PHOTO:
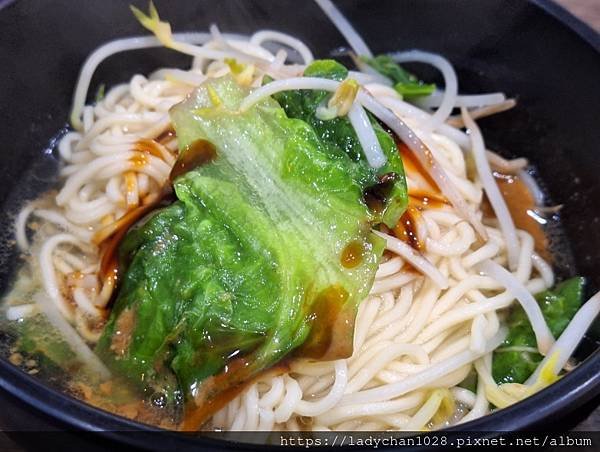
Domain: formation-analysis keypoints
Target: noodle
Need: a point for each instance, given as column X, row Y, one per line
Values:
column 449, row 99
column 492, row 191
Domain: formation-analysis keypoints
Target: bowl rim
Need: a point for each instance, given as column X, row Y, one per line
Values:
column 585, row 31
column 567, row 394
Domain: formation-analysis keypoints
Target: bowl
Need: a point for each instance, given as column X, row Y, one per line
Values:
column 534, row 51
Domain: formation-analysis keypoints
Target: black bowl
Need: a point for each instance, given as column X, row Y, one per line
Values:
column 534, row 51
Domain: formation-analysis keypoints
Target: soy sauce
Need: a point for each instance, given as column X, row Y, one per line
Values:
column 198, row 153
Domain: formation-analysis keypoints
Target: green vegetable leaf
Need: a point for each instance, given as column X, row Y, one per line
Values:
column 470, row 381
column 517, row 358
column 100, row 93
column 387, row 184
column 39, row 341
column 37, row 337
column 267, row 250
column 404, row 82
column 329, row 69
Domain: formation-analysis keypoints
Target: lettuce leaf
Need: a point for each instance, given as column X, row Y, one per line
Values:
column 337, row 135
column 267, row 250
column 405, row 83
column 513, row 362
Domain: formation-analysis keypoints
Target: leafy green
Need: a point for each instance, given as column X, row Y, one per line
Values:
column 405, row 83
column 341, row 142
column 248, row 264
column 40, row 342
column 36, row 337
column 470, row 381
column 100, row 93
column 516, row 359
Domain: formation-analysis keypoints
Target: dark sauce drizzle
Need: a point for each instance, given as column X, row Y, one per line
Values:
column 352, row 255
column 196, row 154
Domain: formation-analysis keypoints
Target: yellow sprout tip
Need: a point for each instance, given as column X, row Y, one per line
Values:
column 547, row 374
column 152, row 22
column 213, row 96
column 344, row 96
column 142, row 17
column 153, row 11
column 234, row 66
